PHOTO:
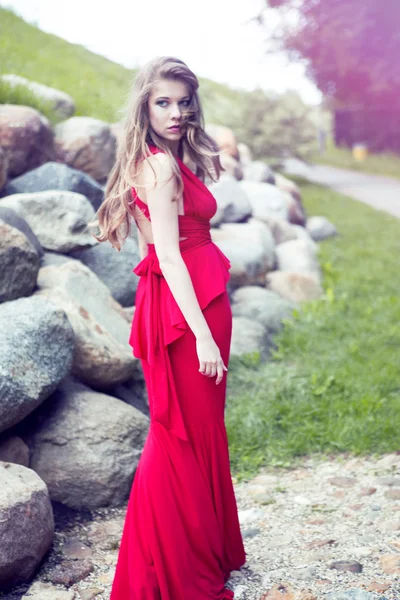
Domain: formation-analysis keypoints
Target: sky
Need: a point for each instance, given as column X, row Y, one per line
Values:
column 216, row 38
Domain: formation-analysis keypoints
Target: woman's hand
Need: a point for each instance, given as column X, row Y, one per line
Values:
column 210, row 359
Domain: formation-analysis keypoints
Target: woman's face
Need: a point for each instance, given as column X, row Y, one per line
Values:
column 166, row 102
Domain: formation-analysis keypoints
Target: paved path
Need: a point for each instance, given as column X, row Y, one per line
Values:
column 383, row 193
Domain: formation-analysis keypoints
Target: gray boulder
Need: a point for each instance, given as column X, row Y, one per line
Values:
column 256, row 170
column 320, row 228
column 249, row 262
column 302, row 234
column 282, row 230
column 114, row 268
column 19, row 264
column 58, row 219
column 251, row 249
column 13, row 449
column 35, row 355
column 50, row 259
column 11, row 217
column 298, row 256
column 249, row 336
column 233, row 205
column 261, row 305
column 102, row 357
column 266, row 200
column 56, row 176
column 26, row 524
column 86, row 446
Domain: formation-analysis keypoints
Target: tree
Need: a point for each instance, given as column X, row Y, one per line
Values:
column 276, row 125
column 351, row 47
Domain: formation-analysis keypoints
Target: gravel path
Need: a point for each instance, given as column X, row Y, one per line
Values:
column 327, row 529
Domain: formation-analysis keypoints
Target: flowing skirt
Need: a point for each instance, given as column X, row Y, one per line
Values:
column 181, row 536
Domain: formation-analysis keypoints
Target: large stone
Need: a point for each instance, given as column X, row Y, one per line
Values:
column 56, row 176
column 103, row 357
column 296, row 287
column 58, row 219
column 320, row 228
column 288, row 185
column 282, row 230
column 261, row 305
column 9, row 216
column 54, row 258
column 256, row 170
column 27, row 137
column 248, row 337
column 14, row 450
column 114, row 268
column 134, row 393
column 35, row 355
column 302, row 234
column 266, row 200
column 231, row 166
column 233, row 205
column 19, row 264
column 86, row 446
column 61, row 103
column 249, row 260
column 86, row 144
column 297, row 256
column 253, row 231
column 296, row 212
column 26, row 524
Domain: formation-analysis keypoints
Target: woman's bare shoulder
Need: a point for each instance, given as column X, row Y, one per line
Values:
column 156, row 169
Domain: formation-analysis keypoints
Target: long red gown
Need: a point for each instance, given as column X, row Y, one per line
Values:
column 181, row 535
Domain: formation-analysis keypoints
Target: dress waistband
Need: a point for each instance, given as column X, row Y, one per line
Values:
column 195, row 229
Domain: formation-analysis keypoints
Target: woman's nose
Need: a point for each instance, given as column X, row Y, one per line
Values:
column 175, row 111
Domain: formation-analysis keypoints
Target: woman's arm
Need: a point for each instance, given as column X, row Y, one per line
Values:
column 164, row 218
column 142, row 245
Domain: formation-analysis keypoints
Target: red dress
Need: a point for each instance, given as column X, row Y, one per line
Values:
column 181, row 536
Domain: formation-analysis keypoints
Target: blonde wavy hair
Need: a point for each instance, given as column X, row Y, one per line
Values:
column 113, row 217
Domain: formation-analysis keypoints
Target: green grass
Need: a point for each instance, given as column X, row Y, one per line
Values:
column 95, row 83
column 387, row 164
column 98, row 86
column 334, row 384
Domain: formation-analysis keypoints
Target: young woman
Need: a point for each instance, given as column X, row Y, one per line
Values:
column 181, row 535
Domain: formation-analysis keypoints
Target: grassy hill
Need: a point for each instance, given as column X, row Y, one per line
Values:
column 98, row 85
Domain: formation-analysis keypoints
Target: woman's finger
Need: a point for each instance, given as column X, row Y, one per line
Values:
column 202, row 367
column 220, row 372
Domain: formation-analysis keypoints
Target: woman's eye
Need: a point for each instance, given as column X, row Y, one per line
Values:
column 161, row 102
column 186, row 102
